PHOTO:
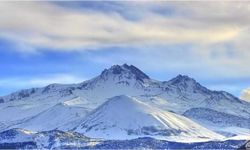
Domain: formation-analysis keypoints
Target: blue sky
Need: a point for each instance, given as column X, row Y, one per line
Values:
column 69, row 42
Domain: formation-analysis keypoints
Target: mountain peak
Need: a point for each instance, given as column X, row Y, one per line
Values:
column 184, row 82
column 122, row 101
column 181, row 79
column 125, row 69
column 124, row 117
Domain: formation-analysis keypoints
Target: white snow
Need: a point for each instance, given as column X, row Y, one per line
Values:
column 54, row 117
column 123, row 114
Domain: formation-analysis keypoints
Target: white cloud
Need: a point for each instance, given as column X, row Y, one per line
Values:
column 245, row 94
column 176, row 60
column 218, row 33
column 42, row 24
column 22, row 83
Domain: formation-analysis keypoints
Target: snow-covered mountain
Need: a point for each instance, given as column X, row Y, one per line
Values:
column 64, row 106
column 123, row 117
column 56, row 117
column 223, row 123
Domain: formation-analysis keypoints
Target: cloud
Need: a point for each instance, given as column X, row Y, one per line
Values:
column 44, row 24
column 23, row 83
column 245, row 94
column 176, row 59
column 205, row 38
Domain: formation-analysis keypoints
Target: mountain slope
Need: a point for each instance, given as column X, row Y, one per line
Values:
column 123, row 117
column 54, row 117
column 226, row 124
